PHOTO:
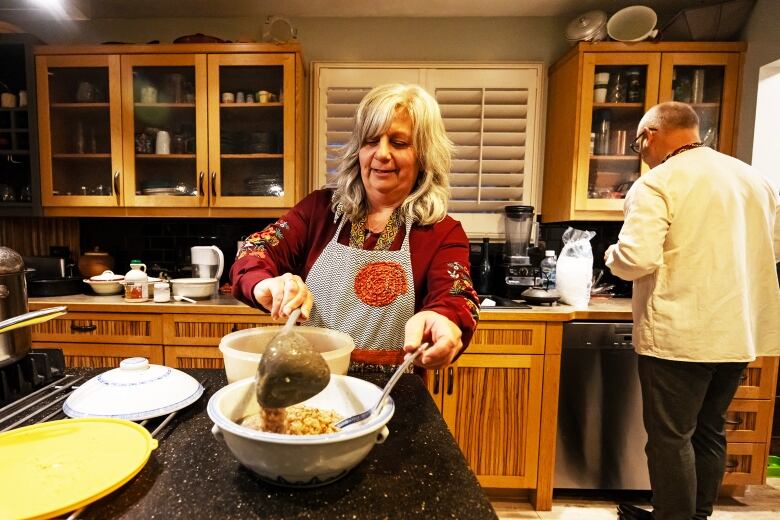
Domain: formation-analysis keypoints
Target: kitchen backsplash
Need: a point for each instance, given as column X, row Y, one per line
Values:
column 164, row 244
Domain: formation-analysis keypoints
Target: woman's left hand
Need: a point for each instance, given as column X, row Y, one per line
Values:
column 443, row 335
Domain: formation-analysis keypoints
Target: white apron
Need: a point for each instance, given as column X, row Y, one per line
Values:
column 367, row 294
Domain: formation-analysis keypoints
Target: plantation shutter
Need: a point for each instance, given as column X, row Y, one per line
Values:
column 490, row 114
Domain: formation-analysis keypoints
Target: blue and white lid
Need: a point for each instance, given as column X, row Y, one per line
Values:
column 135, row 391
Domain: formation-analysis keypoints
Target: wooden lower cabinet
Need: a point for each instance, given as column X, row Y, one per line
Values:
column 492, row 399
column 90, row 355
column 749, row 426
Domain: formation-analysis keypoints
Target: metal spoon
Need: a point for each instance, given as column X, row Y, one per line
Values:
column 290, row 370
column 389, row 386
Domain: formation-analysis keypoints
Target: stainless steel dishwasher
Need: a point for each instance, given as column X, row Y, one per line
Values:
column 601, row 438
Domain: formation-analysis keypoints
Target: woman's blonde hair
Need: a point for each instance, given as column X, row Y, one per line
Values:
column 427, row 203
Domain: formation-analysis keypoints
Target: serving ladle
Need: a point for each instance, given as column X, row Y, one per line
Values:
column 290, row 370
column 389, row 386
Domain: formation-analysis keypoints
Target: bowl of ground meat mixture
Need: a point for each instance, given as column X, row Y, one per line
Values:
column 302, row 448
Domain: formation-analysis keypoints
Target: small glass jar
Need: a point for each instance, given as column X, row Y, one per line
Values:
column 162, row 292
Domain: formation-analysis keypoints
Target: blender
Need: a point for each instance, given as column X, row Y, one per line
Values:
column 519, row 274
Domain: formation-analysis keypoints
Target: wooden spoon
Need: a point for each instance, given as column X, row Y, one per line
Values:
column 290, row 370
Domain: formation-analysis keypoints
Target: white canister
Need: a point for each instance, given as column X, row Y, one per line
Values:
column 22, row 98
column 162, row 292
column 163, row 144
column 136, row 283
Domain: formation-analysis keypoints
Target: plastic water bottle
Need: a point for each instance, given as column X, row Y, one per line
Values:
column 548, row 269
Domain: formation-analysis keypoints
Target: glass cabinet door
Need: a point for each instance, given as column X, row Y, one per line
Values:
column 252, row 125
column 164, row 140
column 708, row 82
column 617, row 89
column 79, row 121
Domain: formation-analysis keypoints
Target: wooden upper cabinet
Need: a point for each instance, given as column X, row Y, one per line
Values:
column 597, row 95
column 80, row 125
column 171, row 130
column 164, row 134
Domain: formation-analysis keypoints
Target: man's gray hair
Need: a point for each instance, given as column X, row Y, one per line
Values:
column 671, row 115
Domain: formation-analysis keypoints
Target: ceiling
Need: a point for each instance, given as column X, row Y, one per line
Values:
column 20, row 10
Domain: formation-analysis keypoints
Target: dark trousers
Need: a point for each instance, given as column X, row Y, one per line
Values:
column 684, row 410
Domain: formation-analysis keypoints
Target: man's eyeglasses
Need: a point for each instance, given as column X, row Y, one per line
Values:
column 635, row 144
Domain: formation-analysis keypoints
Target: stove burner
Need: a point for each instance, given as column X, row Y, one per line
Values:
column 36, row 370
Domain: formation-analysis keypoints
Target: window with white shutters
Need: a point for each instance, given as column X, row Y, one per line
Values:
column 491, row 113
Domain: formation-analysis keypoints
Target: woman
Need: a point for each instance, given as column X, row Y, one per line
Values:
column 381, row 259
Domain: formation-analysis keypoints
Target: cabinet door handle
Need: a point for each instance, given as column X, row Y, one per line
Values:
column 450, row 380
column 200, row 184
column 743, row 377
column 234, row 328
column 734, row 422
column 82, row 328
column 436, row 381
column 213, row 184
column 116, row 186
column 731, row 465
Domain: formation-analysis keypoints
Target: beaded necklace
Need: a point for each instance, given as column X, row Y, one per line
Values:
column 683, row 148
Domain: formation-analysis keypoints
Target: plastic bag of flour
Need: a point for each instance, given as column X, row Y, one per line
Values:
column 574, row 270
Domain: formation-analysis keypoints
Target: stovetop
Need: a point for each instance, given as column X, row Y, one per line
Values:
column 39, row 368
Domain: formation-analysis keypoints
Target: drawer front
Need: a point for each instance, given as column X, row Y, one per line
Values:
column 501, row 337
column 759, row 379
column 745, row 463
column 748, row 420
column 105, row 355
column 95, row 327
column 193, row 357
column 206, row 329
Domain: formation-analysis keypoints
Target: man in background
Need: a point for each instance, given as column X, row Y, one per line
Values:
column 700, row 241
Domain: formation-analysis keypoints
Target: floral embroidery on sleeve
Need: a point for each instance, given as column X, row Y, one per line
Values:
column 257, row 243
column 463, row 286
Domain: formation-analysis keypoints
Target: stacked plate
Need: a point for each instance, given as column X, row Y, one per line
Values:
column 264, row 186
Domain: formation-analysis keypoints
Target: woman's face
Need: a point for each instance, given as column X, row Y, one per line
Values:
column 388, row 163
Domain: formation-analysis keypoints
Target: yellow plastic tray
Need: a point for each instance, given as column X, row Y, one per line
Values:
column 51, row 468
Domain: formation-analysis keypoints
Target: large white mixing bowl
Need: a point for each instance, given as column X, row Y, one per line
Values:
column 302, row 460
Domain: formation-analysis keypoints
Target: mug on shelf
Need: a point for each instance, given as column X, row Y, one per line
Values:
column 7, row 100
column 163, row 143
column 22, row 98
column 228, row 97
column 148, row 94
column 85, row 92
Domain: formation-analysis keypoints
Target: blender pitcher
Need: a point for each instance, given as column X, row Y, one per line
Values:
column 519, row 222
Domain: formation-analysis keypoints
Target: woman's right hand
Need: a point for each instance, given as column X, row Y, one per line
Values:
column 283, row 294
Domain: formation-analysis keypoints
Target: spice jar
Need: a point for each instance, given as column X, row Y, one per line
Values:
column 162, row 292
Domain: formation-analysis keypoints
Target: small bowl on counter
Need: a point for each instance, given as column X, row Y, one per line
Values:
column 195, row 288
column 106, row 283
column 243, row 349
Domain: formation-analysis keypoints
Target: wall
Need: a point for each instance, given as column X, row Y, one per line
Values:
column 344, row 39
column 763, row 40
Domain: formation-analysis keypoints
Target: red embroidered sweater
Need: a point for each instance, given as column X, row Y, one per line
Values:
column 439, row 253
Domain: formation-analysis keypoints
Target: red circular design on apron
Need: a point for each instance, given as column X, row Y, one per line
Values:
column 380, row 283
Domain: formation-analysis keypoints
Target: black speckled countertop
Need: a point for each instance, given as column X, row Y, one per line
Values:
column 419, row 472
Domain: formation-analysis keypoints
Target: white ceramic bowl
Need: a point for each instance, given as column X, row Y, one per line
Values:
column 302, row 460
column 105, row 287
column 242, row 350
column 196, row 288
column 632, row 24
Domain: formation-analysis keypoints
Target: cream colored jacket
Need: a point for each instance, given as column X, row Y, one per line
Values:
column 700, row 240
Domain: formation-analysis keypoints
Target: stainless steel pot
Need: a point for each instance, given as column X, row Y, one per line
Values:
column 15, row 337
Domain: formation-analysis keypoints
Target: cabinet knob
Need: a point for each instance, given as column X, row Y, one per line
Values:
column 213, row 184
